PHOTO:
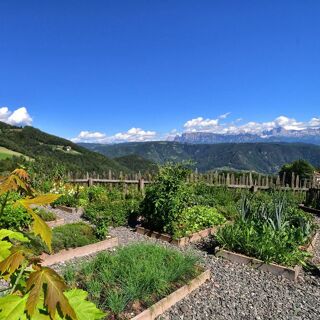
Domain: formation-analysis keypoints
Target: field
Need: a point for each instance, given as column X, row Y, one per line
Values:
column 7, row 153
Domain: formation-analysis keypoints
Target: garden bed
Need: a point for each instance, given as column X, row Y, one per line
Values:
column 138, row 281
column 164, row 304
column 70, row 209
column 290, row 273
column 180, row 242
column 73, row 240
column 69, row 254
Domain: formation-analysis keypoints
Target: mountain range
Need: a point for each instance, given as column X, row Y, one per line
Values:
column 260, row 157
column 275, row 135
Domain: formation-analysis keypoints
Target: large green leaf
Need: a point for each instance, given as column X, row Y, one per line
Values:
column 48, row 280
column 85, row 310
column 12, row 307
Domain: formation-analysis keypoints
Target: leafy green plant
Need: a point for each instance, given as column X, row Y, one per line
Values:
column 135, row 275
column 197, row 218
column 272, row 231
column 167, row 198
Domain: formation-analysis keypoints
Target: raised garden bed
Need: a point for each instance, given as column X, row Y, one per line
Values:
column 276, row 269
column 73, row 240
column 70, row 209
column 178, row 242
column 69, row 254
column 138, row 281
column 164, row 304
column 55, row 223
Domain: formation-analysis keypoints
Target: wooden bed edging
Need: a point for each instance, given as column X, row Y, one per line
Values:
column 70, row 209
column 55, row 223
column 167, row 302
column 276, row 269
column 178, row 242
column 309, row 209
column 78, row 252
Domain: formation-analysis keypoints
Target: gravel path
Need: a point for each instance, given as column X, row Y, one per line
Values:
column 68, row 217
column 240, row 292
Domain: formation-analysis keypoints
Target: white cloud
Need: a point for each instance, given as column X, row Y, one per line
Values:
column 132, row 135
column 213, row 125
column 225, row 115
column 90, row 136
column 17, row 117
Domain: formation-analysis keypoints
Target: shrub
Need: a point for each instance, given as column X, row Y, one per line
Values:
column 138, row 274
column 167, row 198
column 15, row 218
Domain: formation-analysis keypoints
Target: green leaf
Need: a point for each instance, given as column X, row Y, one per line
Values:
column 4, row 249
column 12, row 235
column 12, row 307
column 85, row 310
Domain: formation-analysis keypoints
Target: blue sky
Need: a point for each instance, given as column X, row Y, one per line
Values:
column 105, row 67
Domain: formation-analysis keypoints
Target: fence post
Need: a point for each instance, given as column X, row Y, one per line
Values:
column 141, row 185
column 90, row 182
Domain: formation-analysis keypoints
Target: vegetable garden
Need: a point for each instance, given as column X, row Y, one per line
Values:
column 122, row 283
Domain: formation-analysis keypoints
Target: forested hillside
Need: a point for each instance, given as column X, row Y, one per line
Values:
column 260, row 157
column 34, row 143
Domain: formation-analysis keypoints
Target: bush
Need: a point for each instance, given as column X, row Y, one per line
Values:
column 139, row 274
column 167, row 198
column 15, row 218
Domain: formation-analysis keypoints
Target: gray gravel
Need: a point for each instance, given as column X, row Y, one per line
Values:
column 68, row 217
column 240, row 292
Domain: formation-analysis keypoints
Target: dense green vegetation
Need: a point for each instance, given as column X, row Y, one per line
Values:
column 132, row 278
column 170, row 205
column 302, row 168
column 260, row 157
column 136, row 163
column 35, row 144
column 269, row 227
column 68, row 236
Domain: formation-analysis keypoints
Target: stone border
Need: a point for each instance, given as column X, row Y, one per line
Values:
column 178, row 242
column 164, row 304
column 309, row 209
column 70, row 209
column 78, row 252
column 55, row 223
column 276, row 269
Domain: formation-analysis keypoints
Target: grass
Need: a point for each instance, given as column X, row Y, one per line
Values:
column 7, row 153
column 67, row 236
column 133, row 278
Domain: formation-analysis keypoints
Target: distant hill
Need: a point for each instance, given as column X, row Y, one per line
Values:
column 260, row 157
column 34, row 143
column 136, row 163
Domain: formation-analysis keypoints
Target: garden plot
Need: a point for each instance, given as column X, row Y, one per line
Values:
column 138, row 281
column 236, row 291
column 73, row 241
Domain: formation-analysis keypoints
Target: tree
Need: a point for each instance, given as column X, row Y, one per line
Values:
column 301, row 167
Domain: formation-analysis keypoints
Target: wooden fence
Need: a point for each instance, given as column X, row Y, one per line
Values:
column 249, row 180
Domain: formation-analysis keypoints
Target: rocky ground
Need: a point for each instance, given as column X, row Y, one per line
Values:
column 239, row 292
